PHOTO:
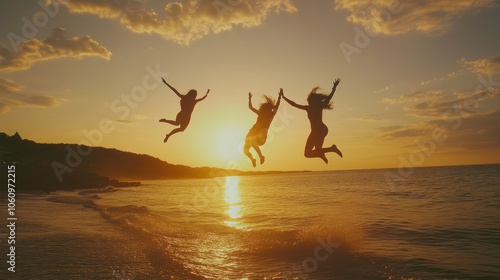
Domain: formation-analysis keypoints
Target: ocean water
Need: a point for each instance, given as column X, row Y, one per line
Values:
column 438, row 223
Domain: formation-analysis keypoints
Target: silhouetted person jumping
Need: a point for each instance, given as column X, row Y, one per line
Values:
column 316, row 103
column 188, row 101
column 257, row 135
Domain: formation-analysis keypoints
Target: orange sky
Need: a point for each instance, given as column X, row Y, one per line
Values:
column 420, row 79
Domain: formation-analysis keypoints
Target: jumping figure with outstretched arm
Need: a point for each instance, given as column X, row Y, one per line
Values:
column 317, row 102
column 188, row 101
column 257, row 135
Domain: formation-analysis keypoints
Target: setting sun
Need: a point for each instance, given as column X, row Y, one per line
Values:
column 228, row 142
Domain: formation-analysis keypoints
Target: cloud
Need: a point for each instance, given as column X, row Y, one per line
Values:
column 12, row 96
column 125, row 122
column 485, row 66
column 479, row 131
column 406, row 130
column 8, row 86
column 185, row 21
column 57, row 45
column 489, row 67
column 439, row 103
column 373, row 117
column 417, row 96
column 392, row 17
column 473, row 132
column 386, row 88
column 443, row 78
column 443, row 105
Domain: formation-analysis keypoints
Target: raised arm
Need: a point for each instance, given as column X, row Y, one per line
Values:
column 303, row 107
column 275, row 109
column 172, row 88
column 201, row 99
column 335, row 84
column 250, row 106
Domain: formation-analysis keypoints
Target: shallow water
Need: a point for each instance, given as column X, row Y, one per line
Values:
column 439, row 223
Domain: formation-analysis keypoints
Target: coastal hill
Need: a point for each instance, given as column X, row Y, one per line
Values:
column 48, row 167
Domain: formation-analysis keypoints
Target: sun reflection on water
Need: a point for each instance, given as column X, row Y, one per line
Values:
column 232, row 198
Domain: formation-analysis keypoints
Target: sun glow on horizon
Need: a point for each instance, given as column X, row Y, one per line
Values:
column 228, row 142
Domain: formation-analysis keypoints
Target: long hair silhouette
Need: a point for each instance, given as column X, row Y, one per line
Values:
column 318, row 98
column 257, row 135
column 316, row 103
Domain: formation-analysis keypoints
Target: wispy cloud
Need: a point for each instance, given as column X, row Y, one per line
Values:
column 441, row 104
column 443, row 78
column 417, row 96
column 414, row 130
column 489, row 66
column 185, row 21
column 57, row 45
column 398, row 17
column 125, row 122
column 12, row 95
column 368, row 118
column 384, row 89
column 9, row 86
column 485, row 66
column 479, row 131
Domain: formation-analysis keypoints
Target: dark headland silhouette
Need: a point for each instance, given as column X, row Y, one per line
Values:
column 98, row 167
